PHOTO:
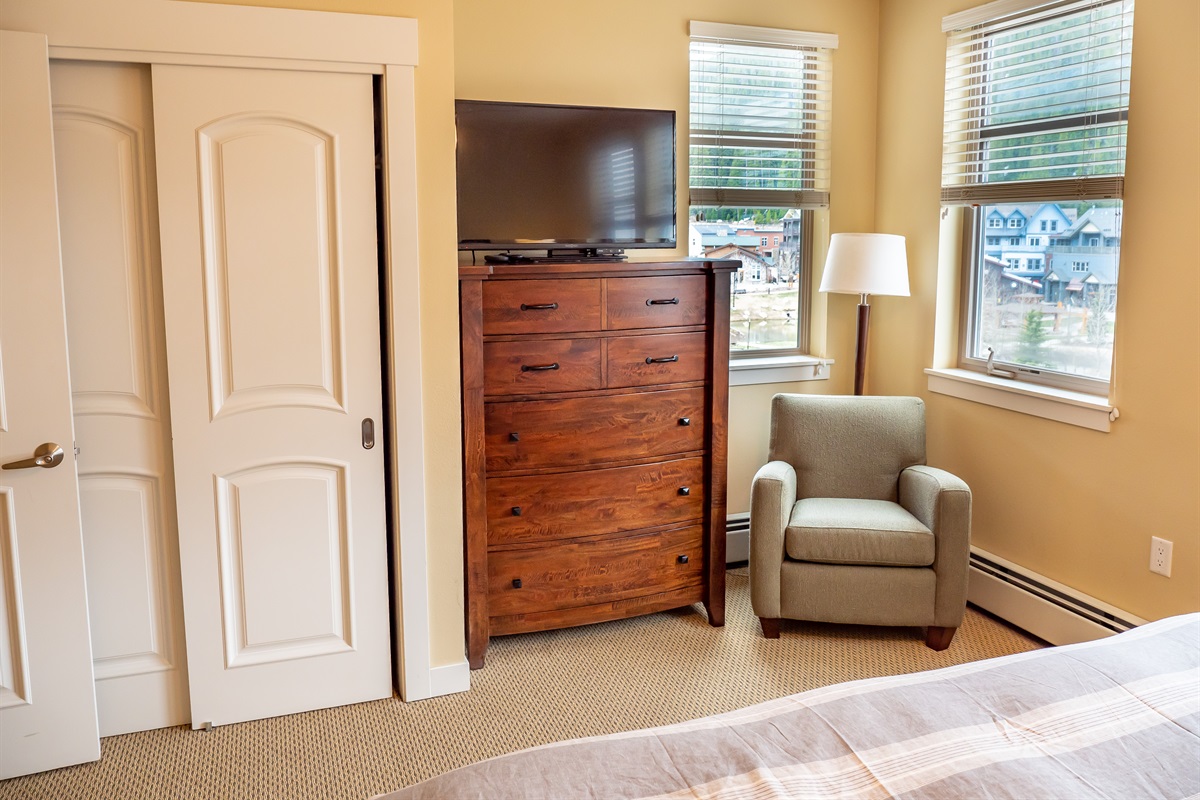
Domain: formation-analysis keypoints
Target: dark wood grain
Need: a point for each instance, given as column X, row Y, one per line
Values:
column 601, row 612
column 474, row 473
column 594, row 430
column 588, row 502
column 578, row 306
column 627, row 359
column 658, row 302
column 586, row 573
column 718, row 460
column 511, row 367
column 599, row 457
column 938, row 638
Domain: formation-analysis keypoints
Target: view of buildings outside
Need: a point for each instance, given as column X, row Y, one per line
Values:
column 764, row 312
column 1047, row 285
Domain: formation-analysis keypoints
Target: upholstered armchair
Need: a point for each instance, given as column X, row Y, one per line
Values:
column 848, row 525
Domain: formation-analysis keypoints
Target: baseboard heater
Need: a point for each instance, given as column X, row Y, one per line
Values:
column 1049, row 610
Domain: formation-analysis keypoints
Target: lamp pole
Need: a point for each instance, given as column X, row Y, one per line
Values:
column 860, row 356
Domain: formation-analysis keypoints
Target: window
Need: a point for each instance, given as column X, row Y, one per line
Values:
column 1015, row 241
column 1015, row 222
column 1037, row 96
column 995, row 222
column 758, row 151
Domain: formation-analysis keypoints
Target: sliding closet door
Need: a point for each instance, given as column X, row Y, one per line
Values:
column 270, row 276
column 47, row 703
column 104, row 152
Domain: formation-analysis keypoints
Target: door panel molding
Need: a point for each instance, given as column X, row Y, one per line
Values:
column 14, row 650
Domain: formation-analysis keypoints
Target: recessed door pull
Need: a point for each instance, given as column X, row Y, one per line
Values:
column 368, row 433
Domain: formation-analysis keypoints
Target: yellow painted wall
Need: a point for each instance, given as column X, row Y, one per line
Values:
column 1075, row 505
column 635, row 53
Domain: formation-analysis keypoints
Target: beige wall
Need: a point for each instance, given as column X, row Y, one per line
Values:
column 635, row 53
column 1075, row 505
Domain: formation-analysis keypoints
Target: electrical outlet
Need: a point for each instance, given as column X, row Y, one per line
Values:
column 1160, row 556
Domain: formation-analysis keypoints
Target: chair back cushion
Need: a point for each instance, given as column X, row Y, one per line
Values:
column 844, row 446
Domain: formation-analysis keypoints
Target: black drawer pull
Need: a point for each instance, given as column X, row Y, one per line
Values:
column 516, row 583
column 539, row 306
column 685, row 421
column 514, row 437
column 663, row 360
column 516, row 511
column 538, row 367
column 674, row 301
column 682, row 559
column 685, row 491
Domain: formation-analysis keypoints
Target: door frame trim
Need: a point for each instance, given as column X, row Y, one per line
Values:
column 206, row 34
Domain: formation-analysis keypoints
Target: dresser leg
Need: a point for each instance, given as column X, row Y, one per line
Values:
column 476, row 650
column 716, row 612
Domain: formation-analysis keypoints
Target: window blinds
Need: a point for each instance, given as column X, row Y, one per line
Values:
column 1037, row 97
column 760, row 116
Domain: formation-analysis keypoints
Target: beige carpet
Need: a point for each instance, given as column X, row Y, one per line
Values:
column 536, row 688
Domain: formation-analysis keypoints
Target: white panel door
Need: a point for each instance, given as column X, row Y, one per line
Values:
column 270, row 277
column 107, row 198
column 47, row 702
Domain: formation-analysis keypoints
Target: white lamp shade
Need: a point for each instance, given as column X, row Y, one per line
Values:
column 866, row 263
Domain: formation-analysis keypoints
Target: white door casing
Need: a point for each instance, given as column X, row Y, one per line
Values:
column 270, row 273
column 108, row 209
column 47, row 702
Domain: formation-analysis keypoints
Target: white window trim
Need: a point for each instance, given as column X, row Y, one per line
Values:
column 1048, row 402
column 756, row 35
column 778, row 369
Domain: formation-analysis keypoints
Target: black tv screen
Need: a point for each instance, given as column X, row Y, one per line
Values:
column 549, row 177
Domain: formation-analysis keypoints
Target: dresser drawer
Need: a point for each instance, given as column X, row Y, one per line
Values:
column 657, row 359
column 575, row 504
column 655, row 302
column 593, row 430
column 544, row 365
column 538, row 579
column 541, row 306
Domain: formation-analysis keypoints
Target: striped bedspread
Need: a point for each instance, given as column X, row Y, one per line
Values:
column 1114, row 718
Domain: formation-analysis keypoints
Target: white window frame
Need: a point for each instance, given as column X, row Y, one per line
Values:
column 807, row 200
column 1001, row 13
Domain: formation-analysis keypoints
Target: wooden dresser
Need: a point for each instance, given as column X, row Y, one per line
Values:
column 595, row 399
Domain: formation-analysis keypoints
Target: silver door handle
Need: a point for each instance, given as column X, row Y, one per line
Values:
column 47, row 456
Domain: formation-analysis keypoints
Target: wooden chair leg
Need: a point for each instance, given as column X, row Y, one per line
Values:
column 937, row 638
column 770, row 627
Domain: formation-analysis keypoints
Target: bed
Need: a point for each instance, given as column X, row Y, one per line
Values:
column 1114, row 718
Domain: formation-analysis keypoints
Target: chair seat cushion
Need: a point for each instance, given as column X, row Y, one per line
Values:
column 838, row 530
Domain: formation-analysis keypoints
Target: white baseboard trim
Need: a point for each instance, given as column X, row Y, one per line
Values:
column 1049, row 610
column 737, row 537
column 449, row 679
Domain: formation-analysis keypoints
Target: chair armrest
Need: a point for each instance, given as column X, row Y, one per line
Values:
column 772, row 496
column 942, row 502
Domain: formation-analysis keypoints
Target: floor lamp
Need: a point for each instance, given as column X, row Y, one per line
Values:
column 865, row 264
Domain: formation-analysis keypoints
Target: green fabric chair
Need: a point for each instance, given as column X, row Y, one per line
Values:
column 848, row 525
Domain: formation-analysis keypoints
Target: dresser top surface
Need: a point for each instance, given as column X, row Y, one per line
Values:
column 584, row 269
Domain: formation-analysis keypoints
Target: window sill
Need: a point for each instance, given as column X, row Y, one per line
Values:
column 1073, row 408
column 777, row 369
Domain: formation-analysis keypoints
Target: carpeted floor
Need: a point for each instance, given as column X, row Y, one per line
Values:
column 536, row 688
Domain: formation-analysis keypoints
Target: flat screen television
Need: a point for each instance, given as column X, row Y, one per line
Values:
column 555, row 178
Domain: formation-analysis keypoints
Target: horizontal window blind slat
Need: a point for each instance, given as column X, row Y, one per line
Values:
column 1034, row 191
column 757, row 198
